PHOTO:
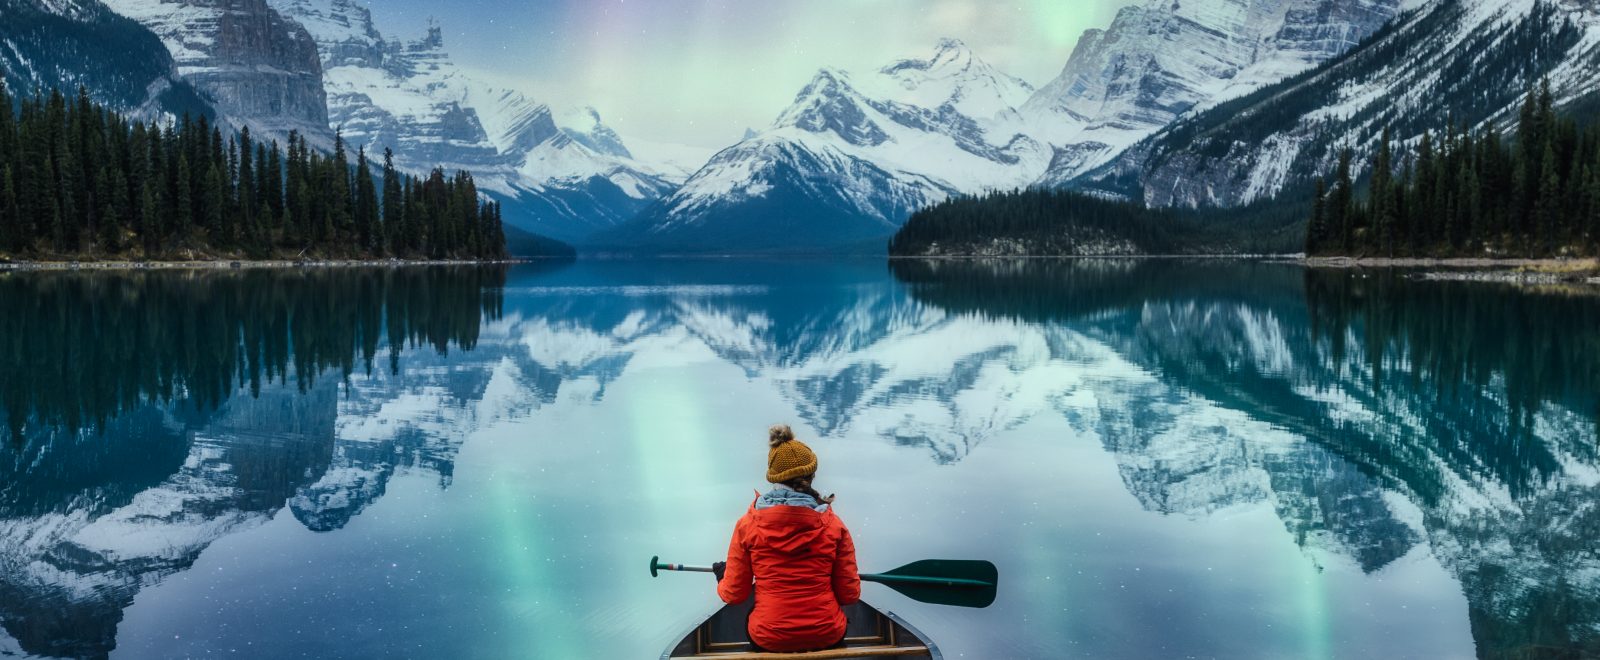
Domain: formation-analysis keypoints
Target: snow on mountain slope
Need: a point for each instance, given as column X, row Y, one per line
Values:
column 57, row 44
column 562, row 172
column 1469, row 60
column 259, row 69
column 1161, row 59
column 851, row 158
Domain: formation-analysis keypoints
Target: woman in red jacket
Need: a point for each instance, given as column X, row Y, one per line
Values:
column 797, row 552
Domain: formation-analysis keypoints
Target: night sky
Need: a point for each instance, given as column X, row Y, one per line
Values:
column 702, row 71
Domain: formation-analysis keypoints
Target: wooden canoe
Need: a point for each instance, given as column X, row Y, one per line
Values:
column 872, row 634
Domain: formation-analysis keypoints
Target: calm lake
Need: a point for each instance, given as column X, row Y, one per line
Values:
column 1164, row 458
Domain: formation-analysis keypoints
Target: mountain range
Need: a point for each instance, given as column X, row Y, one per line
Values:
column 1466, row 63
column 561, row 171
column 1196, row 103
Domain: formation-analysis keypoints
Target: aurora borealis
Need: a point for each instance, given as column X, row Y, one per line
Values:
column 702, row 71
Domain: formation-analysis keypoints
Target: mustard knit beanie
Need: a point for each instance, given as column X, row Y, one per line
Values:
column 788, row 458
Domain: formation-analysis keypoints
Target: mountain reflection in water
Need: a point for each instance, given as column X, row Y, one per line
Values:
column 1477, row 403
column 150, row 415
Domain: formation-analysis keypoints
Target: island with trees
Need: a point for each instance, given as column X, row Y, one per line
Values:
column 1056, row 222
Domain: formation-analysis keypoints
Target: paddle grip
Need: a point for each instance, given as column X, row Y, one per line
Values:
column 656, row 565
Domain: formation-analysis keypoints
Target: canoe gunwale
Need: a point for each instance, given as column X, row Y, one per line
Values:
column 693, row 635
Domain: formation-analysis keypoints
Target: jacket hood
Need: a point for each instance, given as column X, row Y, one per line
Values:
column 789, row 529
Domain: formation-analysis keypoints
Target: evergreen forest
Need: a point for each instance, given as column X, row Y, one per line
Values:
column 84, row 347
column 1469, row 193
column 1049, row 222
column 78, row 181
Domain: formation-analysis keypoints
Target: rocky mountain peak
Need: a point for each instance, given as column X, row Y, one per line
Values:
column 262, row 70
column 950, row 56
column 1162, row 59
column 953, row 76
column 343, row 30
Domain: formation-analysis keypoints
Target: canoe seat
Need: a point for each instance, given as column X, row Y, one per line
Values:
column 829, row 654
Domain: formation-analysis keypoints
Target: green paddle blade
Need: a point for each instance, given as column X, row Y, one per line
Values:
column 958, row 582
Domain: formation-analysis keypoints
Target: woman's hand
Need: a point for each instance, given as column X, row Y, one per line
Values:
column 718, row 569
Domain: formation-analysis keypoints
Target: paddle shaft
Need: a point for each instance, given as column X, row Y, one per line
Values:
column 962, row 583
column 683, row 567
column 865, row 577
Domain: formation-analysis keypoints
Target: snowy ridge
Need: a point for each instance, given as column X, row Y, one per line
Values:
column 1471, row 60
column 563, row 172
column 852, row 156
column 856, row 153
column 55, row 44
column 1160, row 60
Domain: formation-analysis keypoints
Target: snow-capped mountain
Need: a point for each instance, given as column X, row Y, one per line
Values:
column 563, row 172
column 856, row 154
column 1465, row 60
column 1161, row 59
column 258, row 69
column 55, row 44
column 851, row 158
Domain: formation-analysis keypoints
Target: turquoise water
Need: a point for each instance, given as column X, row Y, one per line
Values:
column 1164, row 458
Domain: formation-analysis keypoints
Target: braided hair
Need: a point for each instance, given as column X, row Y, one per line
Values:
column 803, row 485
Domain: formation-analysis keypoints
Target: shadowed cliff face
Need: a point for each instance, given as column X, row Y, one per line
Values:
column 260, row 69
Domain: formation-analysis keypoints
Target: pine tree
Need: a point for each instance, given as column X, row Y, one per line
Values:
column 8, row 126
column 293, row 222
column 113, row 225
column 366, row 204
column 1469, row 214
column 14, row 234
column 263, row 198
column 149, row 217
column 274, row 185
column 1594, row 213
column 214, row 203
column 1547, row 208
column 407, row 227
column 1317, row 230
column 338, row 177
column 247, row 178
column 1379, row 197
column 393, row 199
column 1339, row 206
column 261, row 236
column 183, row 208
column 67, row 191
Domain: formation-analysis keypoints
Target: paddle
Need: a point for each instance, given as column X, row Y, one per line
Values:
column 958, row 582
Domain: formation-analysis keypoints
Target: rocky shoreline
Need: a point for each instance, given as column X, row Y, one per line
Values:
column 1507, row 271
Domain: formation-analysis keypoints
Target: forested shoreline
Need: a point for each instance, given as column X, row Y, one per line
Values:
column 1469, row 194
column 79, row 181
column 1465, row 194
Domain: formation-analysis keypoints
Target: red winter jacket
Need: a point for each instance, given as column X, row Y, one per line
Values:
column 804, row 567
